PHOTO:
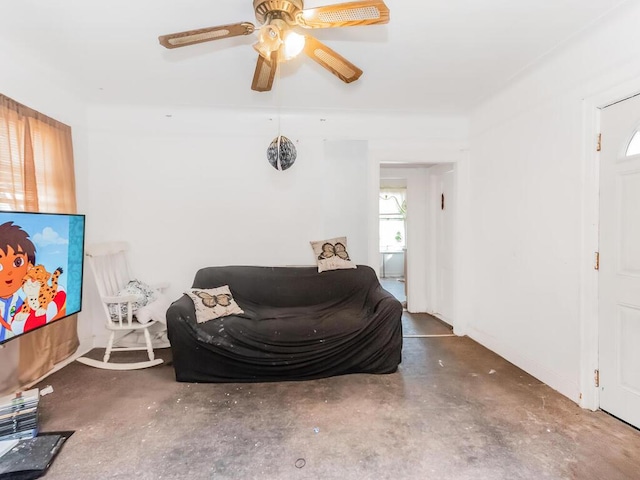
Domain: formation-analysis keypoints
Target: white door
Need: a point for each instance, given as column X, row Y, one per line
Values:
column 619, row 279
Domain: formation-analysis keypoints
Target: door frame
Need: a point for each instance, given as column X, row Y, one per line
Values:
column 590, row 175
column 459, row 157
column 416, row 279
column 434, row 191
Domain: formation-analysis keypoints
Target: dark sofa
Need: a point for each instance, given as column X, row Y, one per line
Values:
column 298, row 324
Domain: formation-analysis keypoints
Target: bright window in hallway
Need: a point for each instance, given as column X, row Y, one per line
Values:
column 393, row 210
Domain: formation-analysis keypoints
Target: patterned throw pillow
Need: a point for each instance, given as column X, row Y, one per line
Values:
column 332, row 254
column 144, row 295
column 213, row 303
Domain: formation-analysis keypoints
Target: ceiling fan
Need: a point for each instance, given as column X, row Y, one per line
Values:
column 278, row 41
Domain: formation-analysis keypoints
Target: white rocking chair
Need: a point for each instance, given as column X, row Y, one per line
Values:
column 108, row 263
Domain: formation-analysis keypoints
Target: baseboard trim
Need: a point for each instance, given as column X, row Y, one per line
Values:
column 568, row 388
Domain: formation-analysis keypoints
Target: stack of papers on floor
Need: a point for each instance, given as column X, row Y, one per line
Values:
column 19, row 415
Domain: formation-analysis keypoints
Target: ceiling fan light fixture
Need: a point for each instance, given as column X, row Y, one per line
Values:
column 293, row 44
column 268, row 41
column 277, row 42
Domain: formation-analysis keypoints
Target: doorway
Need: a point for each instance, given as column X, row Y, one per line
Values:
column 430, row 236
column 619, row 267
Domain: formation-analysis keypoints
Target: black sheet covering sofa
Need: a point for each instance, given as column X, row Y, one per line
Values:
column 298, row 324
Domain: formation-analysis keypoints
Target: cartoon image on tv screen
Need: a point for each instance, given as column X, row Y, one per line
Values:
column 33, row 261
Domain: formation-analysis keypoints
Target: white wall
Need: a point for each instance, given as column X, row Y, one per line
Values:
column 344, row 194
column 195, row 189
column 530, row 251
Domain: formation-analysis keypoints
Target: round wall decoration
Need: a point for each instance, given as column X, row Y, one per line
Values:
column 281, row 153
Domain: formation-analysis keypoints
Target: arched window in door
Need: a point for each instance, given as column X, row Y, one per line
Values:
column 634, row 145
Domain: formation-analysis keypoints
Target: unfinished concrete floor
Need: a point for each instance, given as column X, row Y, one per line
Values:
column 454, row 410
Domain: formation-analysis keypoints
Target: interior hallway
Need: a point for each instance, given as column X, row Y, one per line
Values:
column 396, row 287
column 454, row 410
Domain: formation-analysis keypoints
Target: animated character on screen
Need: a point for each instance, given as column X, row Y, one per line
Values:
column 43, row 302
column 17, row 258
column 17, row 255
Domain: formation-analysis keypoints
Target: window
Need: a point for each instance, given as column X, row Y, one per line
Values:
column 36, row 161
column 634, row 145
column 37, row 174
column 393, row 210
column 10, row 173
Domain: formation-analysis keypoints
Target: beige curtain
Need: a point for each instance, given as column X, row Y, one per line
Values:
column 36, row 174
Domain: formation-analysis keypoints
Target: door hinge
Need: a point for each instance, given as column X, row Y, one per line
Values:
column 599, row 145
column 596, row 377
column 597, row 264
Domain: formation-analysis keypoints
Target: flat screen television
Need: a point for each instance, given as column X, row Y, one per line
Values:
column 41, row 260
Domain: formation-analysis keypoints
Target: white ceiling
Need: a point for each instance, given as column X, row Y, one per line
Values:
column 437, row 56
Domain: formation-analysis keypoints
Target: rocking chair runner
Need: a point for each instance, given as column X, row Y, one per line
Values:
column 108, row 263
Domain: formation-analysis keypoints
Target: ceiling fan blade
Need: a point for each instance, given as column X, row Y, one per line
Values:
column 265, row 73
column 331, row 60
column 367, row 12
column 191, row 37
